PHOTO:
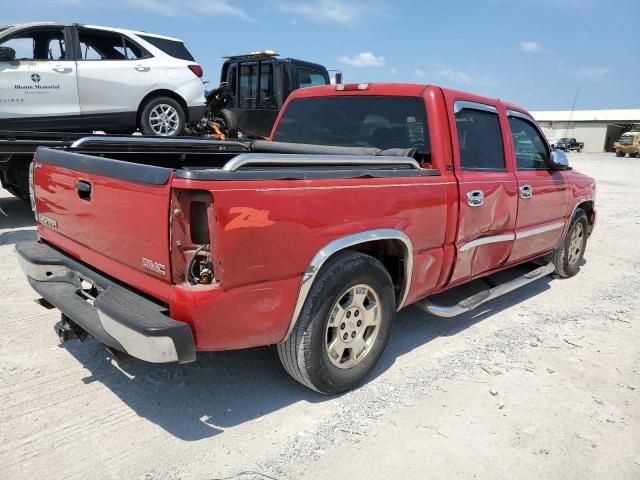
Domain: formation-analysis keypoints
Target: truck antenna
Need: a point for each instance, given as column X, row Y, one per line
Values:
column 572, row 109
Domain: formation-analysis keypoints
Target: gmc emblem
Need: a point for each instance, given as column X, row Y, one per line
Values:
column 154, row 267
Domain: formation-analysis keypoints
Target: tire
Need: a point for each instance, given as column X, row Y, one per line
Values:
column 152, row 121
column 568, row 256
column 579, row 149
column 230, row 123
column 306, row 355
column 619, row 154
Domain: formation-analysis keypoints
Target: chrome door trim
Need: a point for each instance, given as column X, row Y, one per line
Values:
column 503, row 237
column 459, row 105
column 530, row 232
column 347, row 241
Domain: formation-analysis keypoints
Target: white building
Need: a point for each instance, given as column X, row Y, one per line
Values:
column 598, row 129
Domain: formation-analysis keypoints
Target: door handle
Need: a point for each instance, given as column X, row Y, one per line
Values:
column 84, row 189
column 142, row 68
column 475, row 198
column 61, row 69
column 526, row 191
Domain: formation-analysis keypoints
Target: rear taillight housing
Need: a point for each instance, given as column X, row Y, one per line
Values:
column 197, row 70
column 32, row 187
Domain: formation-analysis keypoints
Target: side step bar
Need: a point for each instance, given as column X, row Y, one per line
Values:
column 484, row 296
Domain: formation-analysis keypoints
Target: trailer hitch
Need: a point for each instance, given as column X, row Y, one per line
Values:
column 67, row 329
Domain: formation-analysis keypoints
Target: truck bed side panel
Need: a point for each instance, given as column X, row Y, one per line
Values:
column 266, row 236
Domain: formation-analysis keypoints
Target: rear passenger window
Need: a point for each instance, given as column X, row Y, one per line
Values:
column 479, row 140
column 531, row 150
column 103, row 45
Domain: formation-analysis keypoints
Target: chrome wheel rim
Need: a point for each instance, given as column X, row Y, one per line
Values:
column 164, row 119
column 353, row 326
column 575, row 244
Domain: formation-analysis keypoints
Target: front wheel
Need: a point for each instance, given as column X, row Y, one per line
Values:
column 568, row 256
column 619, row 154
column 162, row 116
column 344, row 325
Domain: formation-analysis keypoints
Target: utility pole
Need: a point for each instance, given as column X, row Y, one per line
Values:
column 572, row 109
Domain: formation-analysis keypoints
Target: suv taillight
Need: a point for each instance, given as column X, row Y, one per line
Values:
column 197, row 70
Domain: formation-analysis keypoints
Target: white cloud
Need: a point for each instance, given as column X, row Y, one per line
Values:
column 178, row 8
column 530, row 47
column 453, row 76
column 593, row 71
column 364, row 59
column 326, row 11
column 393, row 70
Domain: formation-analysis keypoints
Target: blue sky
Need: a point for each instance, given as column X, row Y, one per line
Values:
column 533, row 52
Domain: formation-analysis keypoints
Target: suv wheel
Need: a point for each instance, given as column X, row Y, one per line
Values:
column 344, row 325
column 162, row 116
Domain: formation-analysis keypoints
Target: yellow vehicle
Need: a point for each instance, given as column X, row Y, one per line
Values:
column 629, row 143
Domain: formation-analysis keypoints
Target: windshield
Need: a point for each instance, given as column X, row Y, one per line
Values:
column 563, row 140
column 356, row 121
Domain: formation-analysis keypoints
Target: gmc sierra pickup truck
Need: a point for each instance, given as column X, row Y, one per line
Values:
column 367, row 199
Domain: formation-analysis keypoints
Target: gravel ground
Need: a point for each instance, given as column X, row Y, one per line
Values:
column 542, row 383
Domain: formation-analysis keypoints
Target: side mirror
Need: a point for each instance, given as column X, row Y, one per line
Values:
column 7, row 54
column 559, row 160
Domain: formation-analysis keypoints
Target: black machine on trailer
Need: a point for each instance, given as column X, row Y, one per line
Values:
column 253, row 89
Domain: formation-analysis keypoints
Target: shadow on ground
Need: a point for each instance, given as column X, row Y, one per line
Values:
column 225, row 389
column 16, row 214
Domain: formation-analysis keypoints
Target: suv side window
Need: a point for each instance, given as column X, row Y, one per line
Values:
column 480, row 139
column 531, row 149
column 102, row 45
column 39, row 44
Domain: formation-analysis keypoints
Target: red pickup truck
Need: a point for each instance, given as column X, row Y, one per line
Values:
column 368, row 198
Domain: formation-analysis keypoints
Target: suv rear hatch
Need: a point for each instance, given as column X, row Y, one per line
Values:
column 110, row 214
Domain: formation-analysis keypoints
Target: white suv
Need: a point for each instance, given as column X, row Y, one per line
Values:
column 63, row 77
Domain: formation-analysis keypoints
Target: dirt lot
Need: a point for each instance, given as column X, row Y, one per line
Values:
column 543, row 383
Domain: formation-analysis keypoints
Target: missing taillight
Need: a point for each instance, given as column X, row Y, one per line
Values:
column 192, row 247
column 200, row 268
column 198, row 223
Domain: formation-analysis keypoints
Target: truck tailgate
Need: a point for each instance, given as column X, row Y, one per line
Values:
column 109, row 213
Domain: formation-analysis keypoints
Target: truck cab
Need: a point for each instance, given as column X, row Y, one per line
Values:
column 260, row 83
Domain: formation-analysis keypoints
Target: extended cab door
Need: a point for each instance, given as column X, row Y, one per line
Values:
column 543, row 193
column 38, row 90
column 114, row 75
column 487, row 188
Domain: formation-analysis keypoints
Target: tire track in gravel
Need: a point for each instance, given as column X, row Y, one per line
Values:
column 373, row 398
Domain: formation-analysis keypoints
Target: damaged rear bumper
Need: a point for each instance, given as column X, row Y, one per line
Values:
column 115, row 315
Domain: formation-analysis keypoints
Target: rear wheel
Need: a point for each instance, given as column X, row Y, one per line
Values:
column 568, row 256
column 344, row 325
column 162, row 116
column 230, row 123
